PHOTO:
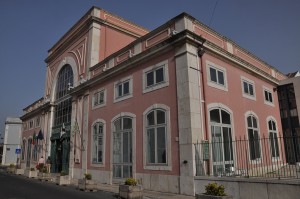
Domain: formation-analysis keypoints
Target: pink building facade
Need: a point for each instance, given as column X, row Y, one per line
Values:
column 121, row 102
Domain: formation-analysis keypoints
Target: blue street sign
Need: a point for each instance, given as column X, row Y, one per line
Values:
column 18, row 151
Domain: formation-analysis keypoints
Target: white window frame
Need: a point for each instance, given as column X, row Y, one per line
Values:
column 30, row 124
column 258, row 160
column 249, row 82
column 269, row 91
column 156, row 86
column 118, row 98
column 274, row 132
column 98, row 93
column 103, row 123
column 166, row 166
column 38, row 121
column 218, row 68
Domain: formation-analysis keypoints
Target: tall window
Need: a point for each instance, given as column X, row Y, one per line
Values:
column 156, row 137
column 268, row 96
column 217, row 76
column 23, row 150
column 122, row 147
column 97, row 151
column 155, row 76
column 273, row 139
column 99, row 98
column 221, row 136
column 122, row 89
column 248, row 88
column 63, row 107
column 253, row 136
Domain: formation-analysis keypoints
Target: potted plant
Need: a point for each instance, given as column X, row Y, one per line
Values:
column 31, row 173
column 62, row 179
column 214, row 191
column 130, row 189
column 87, row 184
column 11, row 168
column 43, row 174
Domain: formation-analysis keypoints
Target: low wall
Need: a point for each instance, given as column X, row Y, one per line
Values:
column 250, row 188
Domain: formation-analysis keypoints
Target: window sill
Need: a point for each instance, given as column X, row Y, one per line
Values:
column 99, row 165
column 124, row 97
column 155, row 87
column 217, row 86
column 99, row 106
column 250, row 97
column 158, row 167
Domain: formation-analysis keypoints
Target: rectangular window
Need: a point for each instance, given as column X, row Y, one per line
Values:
column 248, row 88
column 30, row 124
column 217, row 76
column 268, row 97
column 99, row 98
column 123, row 89
column 155, row 77
column 37, row 121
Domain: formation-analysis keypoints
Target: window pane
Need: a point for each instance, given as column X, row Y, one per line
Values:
column 159, row 75
column 117, row 171
column 266, row 96
column 215, row 116
column 249, row 121
column 117, row 148
column 127, row 123
column 161, row 145
column 120, row 90
column 213, row 74
column 160, row 117
column 270, row 97
column 254, row 122
column 221, row 77
column 126, row 88
column 225, row 117
column 227, row 144
column 150, row 118
column 150, row 78
column 245, row 85
column 151, row 146
column 251, row 89
column 101, row 98
column 117, row 124
column 125, row 148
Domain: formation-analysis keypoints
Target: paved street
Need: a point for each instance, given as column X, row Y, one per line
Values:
column 20, row 187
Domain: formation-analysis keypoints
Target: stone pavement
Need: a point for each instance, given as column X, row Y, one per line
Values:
column 147, row 194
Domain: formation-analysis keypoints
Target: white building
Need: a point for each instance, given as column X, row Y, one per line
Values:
column 12, row 136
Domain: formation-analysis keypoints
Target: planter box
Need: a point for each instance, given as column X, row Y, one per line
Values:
column 30, row 174
column 130, row 192
column 62, row 180
column 204, row 196
column 44, row 176
column 19, row 171
column 87, row 185
column 11, row 170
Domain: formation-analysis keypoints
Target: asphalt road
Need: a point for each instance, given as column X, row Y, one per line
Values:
column 20, row 187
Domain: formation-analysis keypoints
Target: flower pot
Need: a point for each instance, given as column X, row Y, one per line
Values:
column 130, row 192
column 44, row 176
column 30, row 174
column 62, row 180
column 87, row 185
column 204, row 196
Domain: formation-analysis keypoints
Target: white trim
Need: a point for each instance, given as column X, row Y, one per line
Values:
column 103, row 144
column 270, row 91
column 133, row 116
column 249, row 81
column 258, row 160
column 127, row 96
column 104, row 98
column 168, row 166
column 210, row 83
column 165, row 83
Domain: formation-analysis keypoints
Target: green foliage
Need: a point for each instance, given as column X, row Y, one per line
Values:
column 63, row 173
column 215, row 190
column 12, row 166
column 131, row 181
column 88, row 176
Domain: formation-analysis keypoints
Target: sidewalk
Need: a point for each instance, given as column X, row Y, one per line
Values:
column 147, row 194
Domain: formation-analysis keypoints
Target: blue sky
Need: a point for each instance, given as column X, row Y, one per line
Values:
column 270, row 29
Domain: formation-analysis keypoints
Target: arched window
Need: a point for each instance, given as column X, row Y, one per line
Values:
column 122, row 147
column 254, row 139
column 221, row 139
column 273, row 138
column 156, row 137
column 63, row 107
column 97, row 145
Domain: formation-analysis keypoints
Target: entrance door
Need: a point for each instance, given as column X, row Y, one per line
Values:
column 122, row 148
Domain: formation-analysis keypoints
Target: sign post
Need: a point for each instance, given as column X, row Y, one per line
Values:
column 18, row 152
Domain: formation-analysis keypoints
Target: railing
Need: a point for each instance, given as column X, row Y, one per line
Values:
column 272, row 157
